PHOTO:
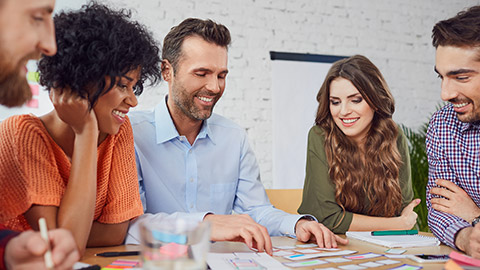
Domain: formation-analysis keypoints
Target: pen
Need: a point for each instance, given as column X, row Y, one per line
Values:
column 395, row 232
column 118, row 253
column 44, row 234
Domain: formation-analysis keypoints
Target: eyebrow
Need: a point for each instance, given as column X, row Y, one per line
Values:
column 353, row 95
column 457, row 71
column 46, row 9
column 128, row 78
column 209, row 70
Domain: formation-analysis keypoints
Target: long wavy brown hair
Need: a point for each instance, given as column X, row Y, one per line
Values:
column 374, row 171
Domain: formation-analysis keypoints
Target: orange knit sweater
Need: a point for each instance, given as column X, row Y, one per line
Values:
column 35, row 170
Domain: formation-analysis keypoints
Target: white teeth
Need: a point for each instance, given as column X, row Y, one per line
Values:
column 205, row 99
column 459, row 105
column 348, row 121
column 119, row 113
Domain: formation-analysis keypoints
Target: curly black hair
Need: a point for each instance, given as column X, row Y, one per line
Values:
column 94, row 43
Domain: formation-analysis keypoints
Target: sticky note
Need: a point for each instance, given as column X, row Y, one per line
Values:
column 363, row 256
column 307, row 245
column 407, row 267
column 33, row 103
column 305, row 263
column 338, row 260
column 33, row 76
column 370, row 264
column 351, row 267
column 307, row 251
column 285, row 247
column 282, row 253
column 395, row 251
column 387, row 262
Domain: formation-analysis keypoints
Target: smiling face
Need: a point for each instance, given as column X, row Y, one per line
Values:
column 199, row 80
column 26, row 32
column 459, row 69
column 112, row 107
column 349, row 110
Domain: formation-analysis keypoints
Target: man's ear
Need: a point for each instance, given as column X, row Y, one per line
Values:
column 167, row 70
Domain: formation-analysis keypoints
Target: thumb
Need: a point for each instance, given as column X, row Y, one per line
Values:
column 412, row 204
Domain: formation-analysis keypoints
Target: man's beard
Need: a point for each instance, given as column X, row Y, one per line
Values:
column 14, row 88
column 185, row 102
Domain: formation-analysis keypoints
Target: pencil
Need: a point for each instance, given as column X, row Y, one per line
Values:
column 44, row 233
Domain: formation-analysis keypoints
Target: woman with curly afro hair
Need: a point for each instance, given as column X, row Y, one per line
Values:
column 75, row 166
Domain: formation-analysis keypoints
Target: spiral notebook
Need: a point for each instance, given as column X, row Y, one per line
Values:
column 395, row 241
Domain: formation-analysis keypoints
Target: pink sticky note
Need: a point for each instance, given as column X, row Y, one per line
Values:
column 33, row 103
column 35, row 89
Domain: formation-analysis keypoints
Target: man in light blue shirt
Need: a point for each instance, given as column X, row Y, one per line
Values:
column 200, row 166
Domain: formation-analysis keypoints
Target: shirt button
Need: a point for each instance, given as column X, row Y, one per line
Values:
column 191, row 205
column 191, row 180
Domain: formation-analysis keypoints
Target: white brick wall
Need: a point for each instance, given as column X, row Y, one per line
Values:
column 394, row 34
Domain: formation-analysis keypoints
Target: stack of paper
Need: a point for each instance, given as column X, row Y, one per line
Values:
column 395, row 241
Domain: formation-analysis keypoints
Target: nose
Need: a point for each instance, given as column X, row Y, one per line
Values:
column 47, row 43
column 448, row 90
column 344, row 109
column 131, row 99
column 213, row 85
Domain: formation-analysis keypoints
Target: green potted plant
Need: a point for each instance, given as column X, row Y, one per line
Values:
column 419, row 166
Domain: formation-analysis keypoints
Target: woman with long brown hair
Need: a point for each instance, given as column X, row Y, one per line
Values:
column 358, row 167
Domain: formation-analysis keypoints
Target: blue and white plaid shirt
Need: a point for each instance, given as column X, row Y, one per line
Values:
column 453, row 149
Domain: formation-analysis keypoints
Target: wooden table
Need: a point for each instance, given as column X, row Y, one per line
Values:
column 228, row 247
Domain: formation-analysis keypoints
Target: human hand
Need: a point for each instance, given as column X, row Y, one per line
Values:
column 468, row 241
column 307, row 230
column 73, row 110
column 408, row 218
column 456, row 201
column 240, row 228
column 27, row 249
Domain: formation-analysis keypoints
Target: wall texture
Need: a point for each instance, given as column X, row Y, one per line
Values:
column 395, row 35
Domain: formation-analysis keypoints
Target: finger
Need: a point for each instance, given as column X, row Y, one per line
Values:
column 316, row 231
column 412, row 205
column 247, row 237
column 447, row 184
column 35, row 244
column 268, row 241
column 333, row 240
column 327, row 236
column 442, row 192
column 442, row 208
column 340, row 240
column 258, row 237
column 62, row 250
column 69, row 260
column 440, row 201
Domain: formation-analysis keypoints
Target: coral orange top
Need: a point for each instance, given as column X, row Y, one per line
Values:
column 35, row 170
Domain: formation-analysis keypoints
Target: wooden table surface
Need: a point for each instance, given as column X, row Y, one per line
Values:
column 228, row 247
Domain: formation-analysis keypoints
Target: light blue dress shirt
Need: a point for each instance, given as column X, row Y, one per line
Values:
column 217, row 174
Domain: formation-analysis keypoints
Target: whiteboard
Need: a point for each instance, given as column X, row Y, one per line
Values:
column 296, row 79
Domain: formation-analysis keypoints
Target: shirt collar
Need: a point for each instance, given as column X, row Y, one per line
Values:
column 166, row 130
column 468, row 126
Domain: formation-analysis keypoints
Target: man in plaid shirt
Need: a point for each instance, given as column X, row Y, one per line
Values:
column 453, row 136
